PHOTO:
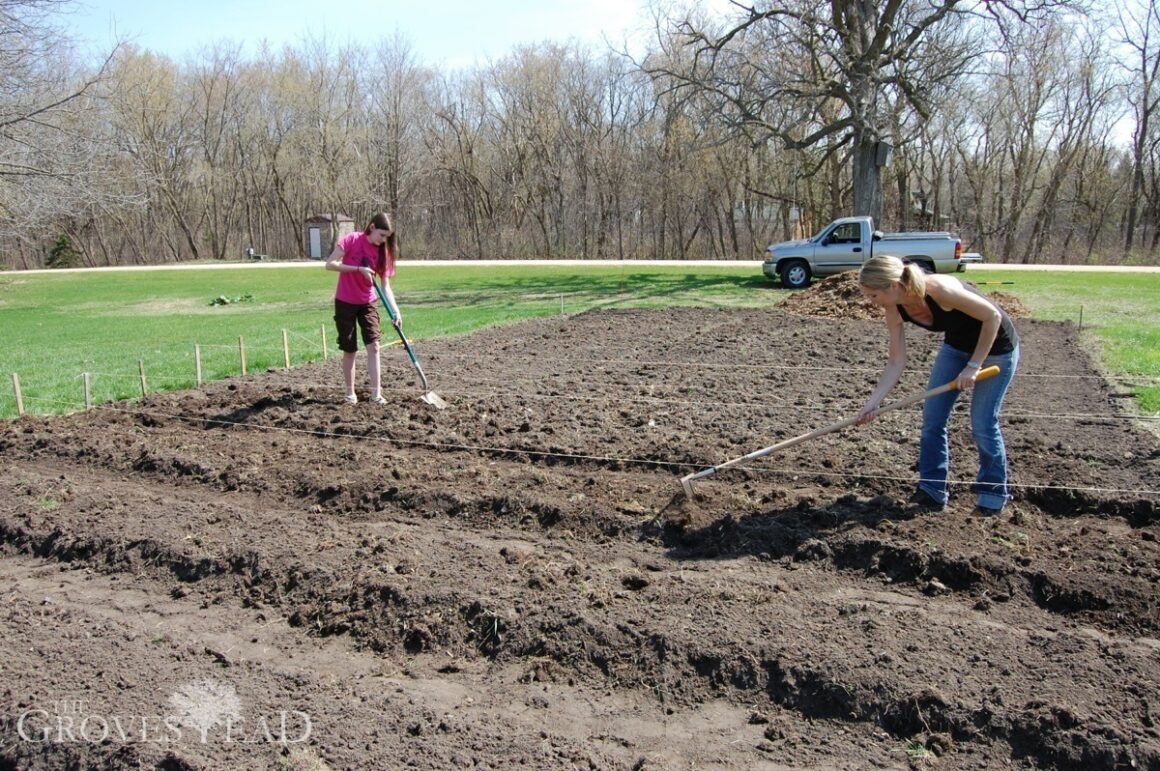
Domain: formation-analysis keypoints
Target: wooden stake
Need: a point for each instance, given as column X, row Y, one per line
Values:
column 325, row 353
column 285, row 349
column 19, row 396
column 197, row 363
column 88, row 391
column 242, row 351
column 141, row 369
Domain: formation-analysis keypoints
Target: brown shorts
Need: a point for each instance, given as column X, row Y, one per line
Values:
column 346, row 316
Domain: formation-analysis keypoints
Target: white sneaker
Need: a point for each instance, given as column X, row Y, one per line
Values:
column 350, row 399
column 378, row 399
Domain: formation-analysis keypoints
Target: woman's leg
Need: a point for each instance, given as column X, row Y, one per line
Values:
column 986, row 400
column 933, row 447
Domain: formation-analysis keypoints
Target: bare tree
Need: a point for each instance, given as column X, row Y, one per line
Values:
column 398, row 91
column 779, row 65
column 337, row 125
column 156, row 124
column 458, row 194
column 1079, row 120
column 280, row 177
column 1140, row 30
column 221, row 100
column 50, row 139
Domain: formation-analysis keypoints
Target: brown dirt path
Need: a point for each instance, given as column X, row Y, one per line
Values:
column 516, row 583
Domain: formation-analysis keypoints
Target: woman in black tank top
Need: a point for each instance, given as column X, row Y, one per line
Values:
column 976, row 333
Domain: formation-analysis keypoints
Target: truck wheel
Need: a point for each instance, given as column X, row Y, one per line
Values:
column 795, row 274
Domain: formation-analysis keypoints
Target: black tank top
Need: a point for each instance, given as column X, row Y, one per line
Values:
column 962, row 331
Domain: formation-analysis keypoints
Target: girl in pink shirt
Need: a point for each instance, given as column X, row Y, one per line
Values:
column 358, row 258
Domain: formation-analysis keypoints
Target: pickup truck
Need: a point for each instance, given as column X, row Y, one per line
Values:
column 846, row 243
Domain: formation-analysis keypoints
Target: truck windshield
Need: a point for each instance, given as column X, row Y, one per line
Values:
column 843, row 233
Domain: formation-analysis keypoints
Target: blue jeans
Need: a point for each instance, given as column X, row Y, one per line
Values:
column 986, row 399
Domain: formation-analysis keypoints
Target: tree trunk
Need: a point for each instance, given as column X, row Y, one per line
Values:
column 1137, row 185
column 867, row 178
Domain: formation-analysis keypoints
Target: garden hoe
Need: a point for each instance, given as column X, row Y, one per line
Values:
column 687, row 481
column 429, row 396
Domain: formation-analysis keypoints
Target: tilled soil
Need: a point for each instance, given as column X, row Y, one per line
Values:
column 255, row 575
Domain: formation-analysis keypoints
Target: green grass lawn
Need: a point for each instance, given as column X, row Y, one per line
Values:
column 59, row 325
column 1121, row 311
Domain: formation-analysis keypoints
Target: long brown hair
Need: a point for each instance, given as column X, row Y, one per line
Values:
column 389, row 248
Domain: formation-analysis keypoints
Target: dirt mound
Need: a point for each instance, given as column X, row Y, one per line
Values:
column 1010, row 303
column 837, row 297
column 257, row 575
column 840, row 297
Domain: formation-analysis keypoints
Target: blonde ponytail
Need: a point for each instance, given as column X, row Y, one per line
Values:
column 913, row 281
column 883, row 270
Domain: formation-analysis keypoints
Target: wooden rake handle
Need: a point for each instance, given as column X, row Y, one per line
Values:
column 687, row 481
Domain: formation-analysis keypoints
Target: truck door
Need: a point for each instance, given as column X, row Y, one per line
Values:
column 840, row 249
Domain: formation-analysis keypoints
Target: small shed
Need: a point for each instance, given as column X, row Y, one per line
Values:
column 322, row 232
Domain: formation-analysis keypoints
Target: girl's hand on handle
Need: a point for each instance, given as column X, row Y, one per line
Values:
column 368, row 274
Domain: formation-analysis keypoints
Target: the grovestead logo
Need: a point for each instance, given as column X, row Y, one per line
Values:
column 206, row 711
column 202, row 706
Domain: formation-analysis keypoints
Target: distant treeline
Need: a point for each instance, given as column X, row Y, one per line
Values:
column 1041, row 148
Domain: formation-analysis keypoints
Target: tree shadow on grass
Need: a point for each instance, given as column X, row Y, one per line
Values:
column 598, row 289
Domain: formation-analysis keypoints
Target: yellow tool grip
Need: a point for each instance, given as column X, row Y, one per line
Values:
column 986, row 373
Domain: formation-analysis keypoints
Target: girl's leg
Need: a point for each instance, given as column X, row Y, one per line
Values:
column 933, row 447
column 986, row 399
column 348, row 371
column 373, row 369
column 369, row 322
column 344, row 324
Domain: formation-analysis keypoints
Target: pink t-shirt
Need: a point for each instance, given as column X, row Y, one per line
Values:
column 353, row 287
